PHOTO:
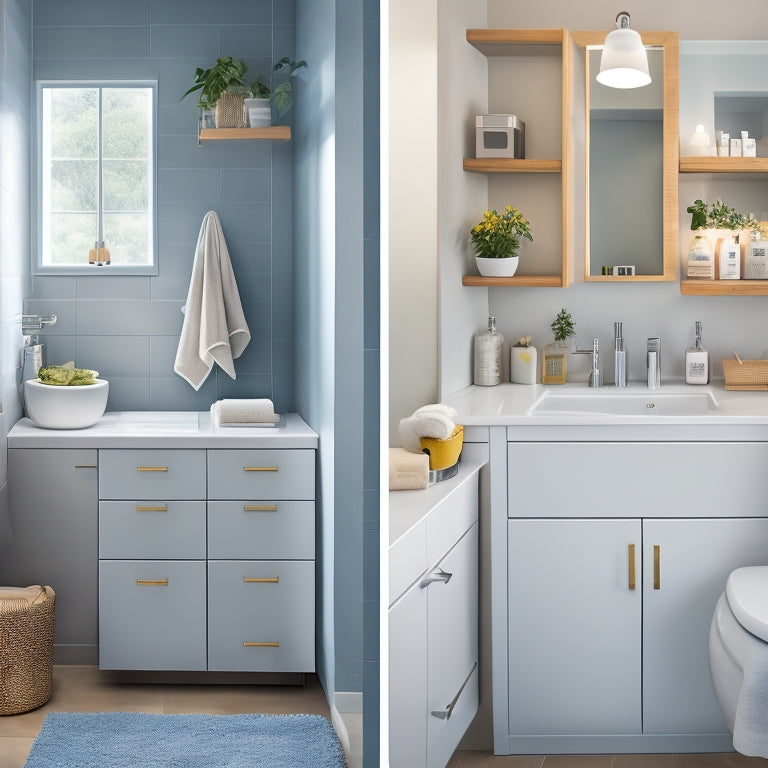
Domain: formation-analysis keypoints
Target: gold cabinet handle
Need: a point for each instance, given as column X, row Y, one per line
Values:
column 152, row 509
column 86, row 466
column 151, row 469
column 259, row 469
column 262, row 579
column 249, row 644
column 656, row 566
column 631, row 566
column 260, row 507
column 152, row 582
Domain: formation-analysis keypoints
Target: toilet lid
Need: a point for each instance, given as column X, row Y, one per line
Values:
column 747, row 591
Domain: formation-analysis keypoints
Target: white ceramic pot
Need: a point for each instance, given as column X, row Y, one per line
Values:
column 522, row 365
column 497, row 267
column 259, row 112
column 53, row 407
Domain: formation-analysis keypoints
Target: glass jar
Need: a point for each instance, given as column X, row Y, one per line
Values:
column 701, row 263
column 488, row 346
column 554, row 362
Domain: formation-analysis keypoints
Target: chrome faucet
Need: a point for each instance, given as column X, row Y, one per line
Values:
column 595, row 375
column 653, row 361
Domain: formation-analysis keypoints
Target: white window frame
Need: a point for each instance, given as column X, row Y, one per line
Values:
column 87, row 269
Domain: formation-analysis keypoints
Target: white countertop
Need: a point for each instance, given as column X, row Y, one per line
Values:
column 511, row 405
column 164, row 429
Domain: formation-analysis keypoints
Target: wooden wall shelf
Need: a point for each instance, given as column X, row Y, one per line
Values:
column 724, row 165
column 511, row 165
column 274, row 132
column 724, row 287
column 525, row 281
column 503, row 42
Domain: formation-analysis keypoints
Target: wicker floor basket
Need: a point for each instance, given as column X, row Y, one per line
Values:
column 746, row 374
column 26, row 654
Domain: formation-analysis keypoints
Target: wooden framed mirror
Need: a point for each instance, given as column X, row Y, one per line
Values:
column 631, row 166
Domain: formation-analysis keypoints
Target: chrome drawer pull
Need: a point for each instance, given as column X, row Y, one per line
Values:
column 260, row 508
column 152, row 582
column 445, row 714
column 151, row 469
column 152, row 509
column 248, row 644
column 259, row 469
column 438, row 575
column 261, row 579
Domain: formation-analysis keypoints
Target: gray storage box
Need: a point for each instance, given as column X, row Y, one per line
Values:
column 499, row 136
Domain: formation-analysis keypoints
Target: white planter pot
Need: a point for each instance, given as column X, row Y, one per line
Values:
column 522, row 365
column 259, row 113
column 497, row 267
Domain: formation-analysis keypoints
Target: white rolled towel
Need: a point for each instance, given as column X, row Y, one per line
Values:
column 436, row 420
column 246, row 411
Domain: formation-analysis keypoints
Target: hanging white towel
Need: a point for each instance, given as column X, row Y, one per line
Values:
column 214, row 329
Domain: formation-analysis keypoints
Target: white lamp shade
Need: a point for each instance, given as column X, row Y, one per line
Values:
column 624, row 63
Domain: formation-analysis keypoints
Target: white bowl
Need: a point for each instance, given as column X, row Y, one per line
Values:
column 55, row 407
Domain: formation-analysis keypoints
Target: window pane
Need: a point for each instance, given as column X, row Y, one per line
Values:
column 72, row 235
column 126, row 120
column 128, row 237
column 74, row 185
column 73, row 121
column 126, row 185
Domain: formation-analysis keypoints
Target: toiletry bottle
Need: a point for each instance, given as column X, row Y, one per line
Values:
column 697, row 361
column 488, row 346
column 700, row 261
column 619, row 357
column 756, row 261
column 729, row 264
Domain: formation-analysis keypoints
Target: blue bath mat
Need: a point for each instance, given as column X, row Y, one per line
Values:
column 136, row 740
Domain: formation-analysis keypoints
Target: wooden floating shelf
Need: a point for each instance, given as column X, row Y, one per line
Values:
column 724, row 287
column 524, row 281
column 511, row 165
column 724, row 164
column 500, row 42
column 274, row 132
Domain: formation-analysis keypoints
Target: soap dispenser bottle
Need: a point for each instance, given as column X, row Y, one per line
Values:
column 697, row 361
column 488, row 348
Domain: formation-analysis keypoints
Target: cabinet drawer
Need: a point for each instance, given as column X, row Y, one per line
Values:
column 152, row 615
column 261, row 616
column 263, row 474
column 261, row 529
column 151, row 474
column 152, row 529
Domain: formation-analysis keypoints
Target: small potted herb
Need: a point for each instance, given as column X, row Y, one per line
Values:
column 265, row 95
column 223, row 89
column 554, row 358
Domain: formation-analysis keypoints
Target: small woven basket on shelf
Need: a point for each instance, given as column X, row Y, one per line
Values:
column 748, row 375
column 26, row 653
column 230, row 110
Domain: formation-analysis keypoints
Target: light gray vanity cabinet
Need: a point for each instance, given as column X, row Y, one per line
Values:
column 51, row 539
column 611, row 580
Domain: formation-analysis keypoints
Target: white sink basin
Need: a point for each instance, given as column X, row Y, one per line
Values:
column 647, row 403
column 53, row 407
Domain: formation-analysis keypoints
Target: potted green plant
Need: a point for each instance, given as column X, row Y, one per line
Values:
column 496, row 240
column 265, row 95
column 223, row 89
column 554, row 356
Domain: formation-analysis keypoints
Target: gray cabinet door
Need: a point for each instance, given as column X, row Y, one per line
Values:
column 52, row 539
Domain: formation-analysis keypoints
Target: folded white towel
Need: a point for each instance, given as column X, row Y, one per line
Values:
column 214, row 330
column 243, row 411
column 429, row 421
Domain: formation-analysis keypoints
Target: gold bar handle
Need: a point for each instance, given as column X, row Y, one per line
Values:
column 262, row 579
column 631, row 566
column 86, row 466
column 656, row 566
column 152, row 582
column 259, row 469
column 248, row 644
column 152, row 509
column 151, row 469
column 260, row 508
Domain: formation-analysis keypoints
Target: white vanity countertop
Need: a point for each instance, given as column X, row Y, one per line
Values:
column 164, row 429
column 737, row 415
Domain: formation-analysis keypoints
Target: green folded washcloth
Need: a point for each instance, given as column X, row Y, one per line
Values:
column 64, row 376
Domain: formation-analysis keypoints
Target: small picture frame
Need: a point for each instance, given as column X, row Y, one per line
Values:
column 208, row 118
column 624, row 270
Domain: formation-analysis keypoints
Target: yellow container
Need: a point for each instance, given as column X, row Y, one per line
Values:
column 443, row 453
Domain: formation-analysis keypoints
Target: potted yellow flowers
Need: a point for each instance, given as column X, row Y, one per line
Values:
column 496, row 240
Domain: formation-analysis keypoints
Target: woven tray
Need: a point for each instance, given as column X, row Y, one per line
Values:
column 746, row 375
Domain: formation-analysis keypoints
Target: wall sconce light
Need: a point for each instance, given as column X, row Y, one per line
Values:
column 624, row 63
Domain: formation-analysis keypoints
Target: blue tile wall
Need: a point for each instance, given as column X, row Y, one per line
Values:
column 128, row 327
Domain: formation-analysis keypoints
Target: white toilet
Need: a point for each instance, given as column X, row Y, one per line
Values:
column 738, row 658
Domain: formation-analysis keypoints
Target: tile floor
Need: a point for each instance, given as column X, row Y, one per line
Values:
column 471, row 759
column 85, row 689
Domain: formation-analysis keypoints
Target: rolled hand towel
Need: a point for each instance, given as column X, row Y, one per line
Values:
column 407, row 471
column 243, row 411
column 430, row 421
